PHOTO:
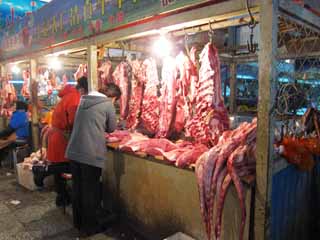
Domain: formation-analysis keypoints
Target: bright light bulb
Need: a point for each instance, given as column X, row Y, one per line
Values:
column 15, row 69
column 162, row 47
column 54, row 64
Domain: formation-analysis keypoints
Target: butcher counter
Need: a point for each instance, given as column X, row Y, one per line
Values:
column 158, row 198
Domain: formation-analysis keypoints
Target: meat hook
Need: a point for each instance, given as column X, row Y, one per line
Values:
column 186, row 38
column 252, row 47
column 211, row 33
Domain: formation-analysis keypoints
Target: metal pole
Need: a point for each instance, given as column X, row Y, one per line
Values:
column 233, row 88
column 92, row 67
column 265, row 132
column 34, row 103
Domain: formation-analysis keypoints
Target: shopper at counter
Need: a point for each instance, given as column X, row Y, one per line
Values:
column 58, row 136
column 87, row 153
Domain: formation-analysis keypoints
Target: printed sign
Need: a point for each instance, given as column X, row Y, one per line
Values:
column 55, row 22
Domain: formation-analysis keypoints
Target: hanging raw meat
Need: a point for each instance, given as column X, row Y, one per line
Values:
column 184, row 65
column 25, row 90
column 214, row 177
column 81, row 72
column 137, row 88
column 211, row 118
column 8, row 97
column 150, row 104
column 121, row 76
column 168, row 97
column 64, row 80
column 105, row 72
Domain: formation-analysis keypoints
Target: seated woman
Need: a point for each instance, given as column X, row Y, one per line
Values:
column 19, row 124
column 58, row 136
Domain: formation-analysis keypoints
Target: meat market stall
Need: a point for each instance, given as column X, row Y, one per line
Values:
column 179, row 161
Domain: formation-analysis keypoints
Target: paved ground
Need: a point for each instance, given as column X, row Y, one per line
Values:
column 34, row 216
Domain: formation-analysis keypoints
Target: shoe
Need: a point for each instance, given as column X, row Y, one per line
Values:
column 39, row 174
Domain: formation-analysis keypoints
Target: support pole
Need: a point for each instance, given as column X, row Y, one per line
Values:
column 92, row 67
column 233, row 88
column 34, row 103
column 2, row 76
column 265, row 132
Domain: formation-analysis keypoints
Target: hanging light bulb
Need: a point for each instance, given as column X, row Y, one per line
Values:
column 54, row 63
column 162, row 47
column 15, row 69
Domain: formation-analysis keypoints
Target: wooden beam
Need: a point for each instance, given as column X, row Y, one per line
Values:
column 34, row 102
column 265, row 131
column 303, row 15
column 92, row 67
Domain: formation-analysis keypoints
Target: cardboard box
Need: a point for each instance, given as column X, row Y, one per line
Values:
column 25, row 178
column 179, row 236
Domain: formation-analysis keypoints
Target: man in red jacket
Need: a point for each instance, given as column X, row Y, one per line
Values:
column 58, row 136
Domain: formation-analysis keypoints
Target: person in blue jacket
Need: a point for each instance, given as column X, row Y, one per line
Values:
column 19, row 124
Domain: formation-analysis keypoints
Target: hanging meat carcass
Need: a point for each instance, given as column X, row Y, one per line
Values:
column 137, row 89
column 25, row 90
column 105, row 74
column 121, row 76
column 150, row 103
column 81, row 72
column 211, row 118
column 168, row 97
column 214, row 177
column 8, row 97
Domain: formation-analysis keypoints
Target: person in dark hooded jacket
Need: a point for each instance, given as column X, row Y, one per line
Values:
column 87, row 153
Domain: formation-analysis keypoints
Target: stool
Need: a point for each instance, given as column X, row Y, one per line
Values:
column 66, row 177
column 18, row 147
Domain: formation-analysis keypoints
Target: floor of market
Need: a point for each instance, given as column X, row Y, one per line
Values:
column 32, row 215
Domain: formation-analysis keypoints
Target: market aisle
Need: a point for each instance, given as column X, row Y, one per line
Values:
column 28, row 215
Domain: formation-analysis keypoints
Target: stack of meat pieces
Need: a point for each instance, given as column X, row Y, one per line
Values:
column 230, row 159
column 182, row 154
column 211, row 118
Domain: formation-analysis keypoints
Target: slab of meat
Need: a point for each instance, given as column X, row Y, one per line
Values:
column 157, row 147
column 210, row 119
column 173, row 155
column 150, row 103
column 121, row 76
column 82, row 71
column 214, row 176
column 25, row 90
column 117, row 135
column 137, row 89
column 168, row 97
column 191, row 156
column 105, row 74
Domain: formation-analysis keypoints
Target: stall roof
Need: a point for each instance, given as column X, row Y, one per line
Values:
column 57, row 23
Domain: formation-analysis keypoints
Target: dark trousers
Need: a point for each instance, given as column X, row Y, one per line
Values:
column 57, row 169
column 86, row 197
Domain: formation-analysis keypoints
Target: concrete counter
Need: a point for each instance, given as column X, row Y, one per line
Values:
column 162, row 199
